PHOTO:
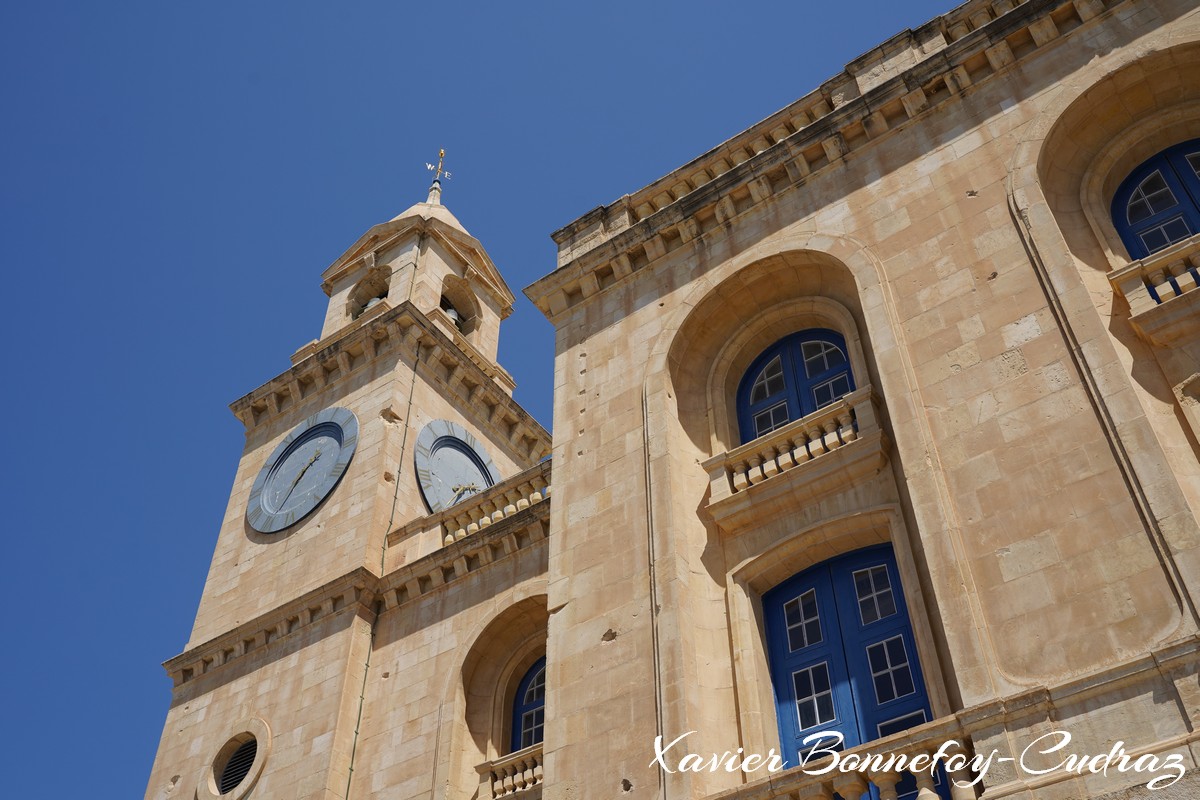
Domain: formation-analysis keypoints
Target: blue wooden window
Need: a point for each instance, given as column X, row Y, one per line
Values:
column 794, row 377
column 842, row 653
column 529, row 707
column 1159, row 203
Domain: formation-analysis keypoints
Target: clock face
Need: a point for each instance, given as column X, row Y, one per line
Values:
column 302, row 470
column 452, row 465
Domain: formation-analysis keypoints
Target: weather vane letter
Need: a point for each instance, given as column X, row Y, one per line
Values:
column 437, row 171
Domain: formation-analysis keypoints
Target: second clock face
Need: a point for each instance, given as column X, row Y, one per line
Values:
column 452, row 465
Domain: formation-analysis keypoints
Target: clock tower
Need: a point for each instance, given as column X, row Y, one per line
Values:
column 356, row 456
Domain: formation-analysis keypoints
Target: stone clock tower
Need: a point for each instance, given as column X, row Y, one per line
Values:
column 356, row 458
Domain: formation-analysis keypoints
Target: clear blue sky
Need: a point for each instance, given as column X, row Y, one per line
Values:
column 174, row 179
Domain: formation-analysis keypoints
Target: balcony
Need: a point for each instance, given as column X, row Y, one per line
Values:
column 479, row 511
column 804, row 460
column 1161, row 290
column 518, row 775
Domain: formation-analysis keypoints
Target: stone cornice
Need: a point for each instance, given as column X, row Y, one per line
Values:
column 454, row 561
column 354, row 591
column 904, row 79
column 404, row 327
column 364, row 593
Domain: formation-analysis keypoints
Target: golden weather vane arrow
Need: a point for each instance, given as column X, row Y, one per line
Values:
column 437, row 171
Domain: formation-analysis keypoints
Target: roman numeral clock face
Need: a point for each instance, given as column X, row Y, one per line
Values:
column 452, row 465
column 303, row 470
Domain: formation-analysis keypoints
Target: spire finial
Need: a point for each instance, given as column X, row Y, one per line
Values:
column 435, row 189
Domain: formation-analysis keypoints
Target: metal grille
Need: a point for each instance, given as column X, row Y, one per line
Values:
column 238, row 765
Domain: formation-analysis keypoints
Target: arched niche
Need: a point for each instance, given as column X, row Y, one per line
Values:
column 1134, row 112
column 497, row 659
column 743, row 315
column 371, row 289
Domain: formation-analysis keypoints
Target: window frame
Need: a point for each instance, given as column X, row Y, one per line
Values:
column 844, row 635
column 520, row 708
column 1179, row 176
column 797, row 394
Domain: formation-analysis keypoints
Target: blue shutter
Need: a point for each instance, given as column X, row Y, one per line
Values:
column 1158, row 204
column 866, row 644
column 806, row 385
column 529, row 707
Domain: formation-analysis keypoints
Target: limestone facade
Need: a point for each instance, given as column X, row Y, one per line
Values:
column 1022, row 434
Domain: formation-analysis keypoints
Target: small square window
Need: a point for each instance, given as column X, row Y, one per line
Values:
column 890, row 671
column 874, row 590
column 814, row 695
column 803, row 621
column 774, row 417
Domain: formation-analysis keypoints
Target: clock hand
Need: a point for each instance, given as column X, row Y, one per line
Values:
column 299, row 475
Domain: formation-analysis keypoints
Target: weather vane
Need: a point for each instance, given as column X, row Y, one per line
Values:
column 437, row 171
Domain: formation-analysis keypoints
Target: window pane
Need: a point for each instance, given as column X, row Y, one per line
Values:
column 901, row 723
column 803, row 623
column 820, row 356
column 531, row 727
column 769, row 382
column 884, row 691
column 774, row 417
column 878, row 658
column 890, row 671
column 832, row 389
column 825, row 707
column 1194, row 162
column 1151, row 197
column 1171, row 231
column 814, row 698
column 874, row 588
column 887, row 604
column 537, row 688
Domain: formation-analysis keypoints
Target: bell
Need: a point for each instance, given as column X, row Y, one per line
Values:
column 453, row 315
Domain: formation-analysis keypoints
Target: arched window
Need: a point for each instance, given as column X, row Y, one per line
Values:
column 529, row 707
column 1159, row 203
column 794, row 377
column 842, row 653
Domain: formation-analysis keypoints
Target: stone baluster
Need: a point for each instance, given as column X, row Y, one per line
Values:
column 754, row 474
column 851, row 785
column 770, row 467
column 816, row 441
column 537, row 769
column 741, row 477
column 511, row 497
column 523, row 493
column 817, row 791
column 960, row 779
column 787, row 454
column 845, row 424
column 829, row 435
column 925, row 787
column 886, row 780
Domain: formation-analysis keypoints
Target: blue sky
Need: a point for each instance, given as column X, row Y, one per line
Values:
column 174, row 179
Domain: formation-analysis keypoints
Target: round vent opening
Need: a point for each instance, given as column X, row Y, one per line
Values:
column 238, row 766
